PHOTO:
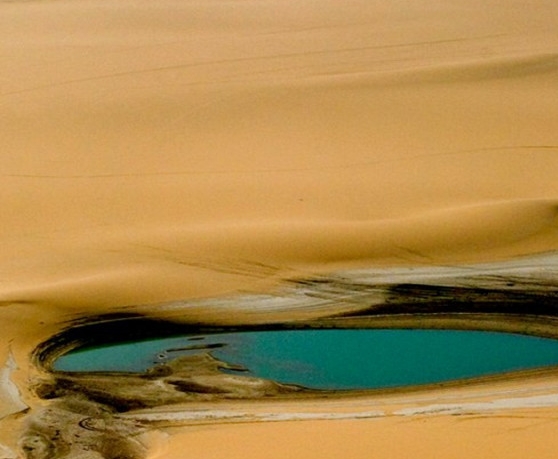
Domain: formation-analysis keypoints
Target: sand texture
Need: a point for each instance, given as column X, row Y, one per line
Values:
column 205, row 161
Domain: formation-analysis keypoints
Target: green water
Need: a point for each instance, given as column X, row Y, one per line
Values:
column 336, row 359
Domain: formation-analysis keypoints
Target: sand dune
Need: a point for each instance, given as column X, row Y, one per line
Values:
column 153, row 152
column 177, row 262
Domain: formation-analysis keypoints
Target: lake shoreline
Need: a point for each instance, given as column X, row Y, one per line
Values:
column 145, row 405
column 191, row 381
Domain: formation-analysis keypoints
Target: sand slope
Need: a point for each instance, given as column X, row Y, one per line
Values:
column 206, row 132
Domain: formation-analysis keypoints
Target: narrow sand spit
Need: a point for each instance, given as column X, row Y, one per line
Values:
column 217, row 161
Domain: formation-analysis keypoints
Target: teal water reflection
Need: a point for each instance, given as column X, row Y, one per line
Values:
column 336, row 359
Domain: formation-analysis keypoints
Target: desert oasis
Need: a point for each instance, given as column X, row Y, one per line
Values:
column 269, row 229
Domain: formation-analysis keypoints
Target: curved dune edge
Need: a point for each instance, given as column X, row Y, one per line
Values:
column 220, row 257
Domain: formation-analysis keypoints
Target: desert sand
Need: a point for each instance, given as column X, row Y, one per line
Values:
column 188, row 151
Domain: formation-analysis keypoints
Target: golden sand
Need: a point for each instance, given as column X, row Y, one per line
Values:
column 180, row 150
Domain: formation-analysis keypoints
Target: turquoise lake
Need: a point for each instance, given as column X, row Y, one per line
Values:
column 335, row 359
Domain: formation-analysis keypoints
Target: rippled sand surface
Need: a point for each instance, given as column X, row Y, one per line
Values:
column 184, row 150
